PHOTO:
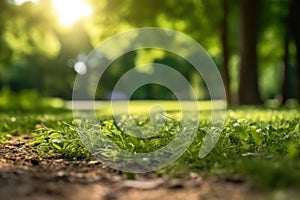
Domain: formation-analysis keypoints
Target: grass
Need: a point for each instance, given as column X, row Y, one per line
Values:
column 257, row 144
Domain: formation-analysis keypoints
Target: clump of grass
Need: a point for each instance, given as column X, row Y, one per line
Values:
column 15, row 124
column 257, row 144
column 126, row 135
column 63, row 142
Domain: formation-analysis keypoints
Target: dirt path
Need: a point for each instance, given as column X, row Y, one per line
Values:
column 25, row 176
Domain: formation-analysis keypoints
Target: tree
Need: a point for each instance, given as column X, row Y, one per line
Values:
column 285, row 87
column 225, row 50
column 192, row 17
column 5, row 51
column 292, row 31
column 295, row 21
column 26, row 36
column 248, row 92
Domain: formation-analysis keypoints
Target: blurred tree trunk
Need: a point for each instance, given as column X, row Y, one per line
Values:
column 285, row 91
column 248, row 92
column 5, row 51
column 225, row 51
column 292, row 33
column 295, row 12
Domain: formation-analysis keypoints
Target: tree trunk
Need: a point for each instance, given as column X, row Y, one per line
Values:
column 285, row 92
column 295, row 7
column 248, row 83
column 225, row 51
column 298, row 67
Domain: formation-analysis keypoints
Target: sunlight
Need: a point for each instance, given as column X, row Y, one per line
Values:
column 69, row 11
column 20, row 2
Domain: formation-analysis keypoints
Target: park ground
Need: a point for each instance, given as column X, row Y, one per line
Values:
column 245, row 164
column 25, row 176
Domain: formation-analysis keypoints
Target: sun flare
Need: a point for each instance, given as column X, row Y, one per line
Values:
column 20, row 2
column 69, row 11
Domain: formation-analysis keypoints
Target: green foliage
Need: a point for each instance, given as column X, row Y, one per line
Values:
column 257, row 144
column 7, row 128
column 31, row 40
column 17, row 123
column 26, row 100
column 62, row 141
column 14, row 124
column 124, row 134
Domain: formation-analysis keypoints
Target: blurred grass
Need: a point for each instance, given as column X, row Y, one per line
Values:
column 145, row 107
column 27, row 101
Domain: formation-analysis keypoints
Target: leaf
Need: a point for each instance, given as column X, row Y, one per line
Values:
column 293, row 151
column 256, row 136
column 297, row 128
column 58, row 144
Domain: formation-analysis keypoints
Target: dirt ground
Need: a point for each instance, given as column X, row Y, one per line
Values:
column 25, row 176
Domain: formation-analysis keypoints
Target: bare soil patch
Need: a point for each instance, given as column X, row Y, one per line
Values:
column 24, row 175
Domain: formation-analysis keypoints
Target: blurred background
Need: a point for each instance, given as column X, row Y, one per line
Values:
column 255, row 44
